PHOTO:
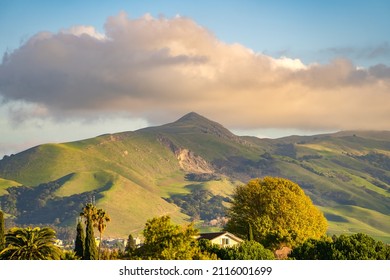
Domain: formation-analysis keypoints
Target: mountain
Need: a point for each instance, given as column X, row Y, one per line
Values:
column 188, row 169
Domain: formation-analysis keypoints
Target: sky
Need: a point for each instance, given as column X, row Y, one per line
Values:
column 71, row 70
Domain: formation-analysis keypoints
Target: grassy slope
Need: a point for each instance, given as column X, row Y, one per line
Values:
column 352, row 219
column 141, row 170
column 130, row 205
column 127, row 161
column 4, row 184
column 337, row 170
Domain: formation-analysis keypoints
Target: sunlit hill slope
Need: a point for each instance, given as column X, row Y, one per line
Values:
column 135, row 175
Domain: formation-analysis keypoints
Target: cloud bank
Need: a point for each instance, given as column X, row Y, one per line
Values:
column 159, row 68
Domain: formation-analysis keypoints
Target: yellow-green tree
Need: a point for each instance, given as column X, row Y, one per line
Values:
column 166, row 241
column 277, row 211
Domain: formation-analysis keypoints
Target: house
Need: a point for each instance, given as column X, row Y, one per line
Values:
column 223, row 239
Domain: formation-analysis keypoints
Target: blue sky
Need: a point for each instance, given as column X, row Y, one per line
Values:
column 310, row 35
column 311, row 30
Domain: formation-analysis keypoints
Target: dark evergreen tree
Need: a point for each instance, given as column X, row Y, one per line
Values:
column 130, row 245
column 80, row 241
column 2, row 231
column 91, row 251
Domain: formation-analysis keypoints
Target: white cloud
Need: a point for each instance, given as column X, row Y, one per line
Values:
column 159, row 68
column 81, row 30
column 289, row 63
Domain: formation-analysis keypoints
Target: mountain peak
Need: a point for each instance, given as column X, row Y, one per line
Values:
column 195, row 122
column 192, row 116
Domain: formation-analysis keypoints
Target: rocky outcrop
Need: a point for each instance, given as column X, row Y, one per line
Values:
column 190, row 162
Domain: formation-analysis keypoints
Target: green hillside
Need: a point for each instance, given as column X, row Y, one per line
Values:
column 141, row 174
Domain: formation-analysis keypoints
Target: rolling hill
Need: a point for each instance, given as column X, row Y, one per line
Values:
column 159, row 170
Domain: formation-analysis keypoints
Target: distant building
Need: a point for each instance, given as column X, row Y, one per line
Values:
column 223, row 239
column 59, row 243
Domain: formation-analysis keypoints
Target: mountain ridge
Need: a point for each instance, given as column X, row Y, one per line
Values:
column 134, row 174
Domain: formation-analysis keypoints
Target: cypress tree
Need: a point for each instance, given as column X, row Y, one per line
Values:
column 91, row 252
column 80, row 240
column 130, row 245
column 250, row 233
column 2, row 231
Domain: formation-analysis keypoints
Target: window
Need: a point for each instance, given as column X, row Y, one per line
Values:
column 225, row 241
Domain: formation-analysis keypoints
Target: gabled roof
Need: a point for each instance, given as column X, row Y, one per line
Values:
column 213, row 235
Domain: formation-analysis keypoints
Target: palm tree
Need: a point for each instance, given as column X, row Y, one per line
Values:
column 98, row 218
column 89, row 211
column 30, row 244
column 101, row 218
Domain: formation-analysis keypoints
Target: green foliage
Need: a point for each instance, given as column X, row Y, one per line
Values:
column 334, row 170
column 40, row 205
column 94, row 218
column 250, row 250
column 30, row 244
column 2, row 231
column 314, row 249
column 200, row 204
column 359, row 247
column 107, row 254
column 247, row 250
column 250, row 232
column 91, row 251
column 69, row 255
column 80, row 240
column 344, row 247
column 278, row 211
column 100, row 219
column 130, row 245
column 166, row 241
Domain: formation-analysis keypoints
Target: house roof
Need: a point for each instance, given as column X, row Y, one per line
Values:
column 213, row 235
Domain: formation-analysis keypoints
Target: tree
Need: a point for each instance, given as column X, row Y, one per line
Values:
column 100, row 219
column 278, row 212
column 2, row 231
column 166, row 241
column 30, row 244
column 357, row 246
column 247, row 250
column 250, row 250
column 130, row 245
column 90, row 252
column 80, row 240
column 314, row 249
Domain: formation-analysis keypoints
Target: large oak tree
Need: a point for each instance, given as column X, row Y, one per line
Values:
column 277, row 211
